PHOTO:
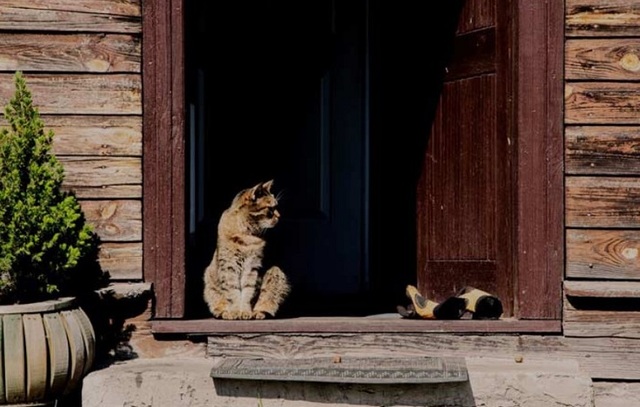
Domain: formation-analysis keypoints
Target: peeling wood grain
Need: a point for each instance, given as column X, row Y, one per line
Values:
column 606, row 150
column 123, row 261
column 116, row 220
column 407, row 344
column 602, row 289
column 383, row 344
column 106, row 191
column 602, row 18
column 602, row 103
column 70, row 53
column 106, row 7
column 103, row 177
column 598, row 59
column 602, row 202
column 594, row 323
column 80, row 94
column 63, row 15
column 94, row 135
column 603, row 254
column 612, row 358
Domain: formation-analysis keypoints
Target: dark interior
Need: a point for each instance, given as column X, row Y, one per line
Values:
column 334, row 101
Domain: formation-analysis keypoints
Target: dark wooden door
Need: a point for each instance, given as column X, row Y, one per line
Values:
column 465, row 195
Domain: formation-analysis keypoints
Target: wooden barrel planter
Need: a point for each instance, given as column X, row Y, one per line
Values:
column 46, row 349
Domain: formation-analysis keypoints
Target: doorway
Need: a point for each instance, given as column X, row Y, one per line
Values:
column 282, row 98
column 334, row 101
column 534, row 40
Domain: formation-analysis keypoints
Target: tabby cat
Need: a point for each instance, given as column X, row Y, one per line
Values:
column 234, row 288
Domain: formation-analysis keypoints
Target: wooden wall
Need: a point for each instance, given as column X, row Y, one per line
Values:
column 82, row 63
column 602, row 173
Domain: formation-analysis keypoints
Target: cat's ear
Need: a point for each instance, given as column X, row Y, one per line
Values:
column 256, row 192
column 260, row 190
column 267, row 185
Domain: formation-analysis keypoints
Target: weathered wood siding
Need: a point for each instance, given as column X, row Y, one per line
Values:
column 602, row 175
column 82, row 63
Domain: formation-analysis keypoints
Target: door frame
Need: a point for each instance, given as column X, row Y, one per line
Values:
column 540, row 159
column 163, row 161
column 539, row 163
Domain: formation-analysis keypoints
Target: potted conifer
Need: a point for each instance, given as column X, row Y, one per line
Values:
column 48, row 260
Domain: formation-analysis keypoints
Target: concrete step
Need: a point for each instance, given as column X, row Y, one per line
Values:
column 177, row 382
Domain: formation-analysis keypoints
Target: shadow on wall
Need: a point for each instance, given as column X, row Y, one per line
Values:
column 438, row 394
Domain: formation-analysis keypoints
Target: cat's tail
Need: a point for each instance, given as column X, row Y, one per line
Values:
column 273, row 291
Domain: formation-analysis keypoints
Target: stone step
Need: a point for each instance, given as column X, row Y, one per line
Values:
column 188, row 382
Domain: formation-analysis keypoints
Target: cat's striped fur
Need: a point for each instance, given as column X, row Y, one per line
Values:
column 234, row 288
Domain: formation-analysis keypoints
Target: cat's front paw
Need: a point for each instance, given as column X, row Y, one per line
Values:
column 259, row 315
column 231, row 315
column 246, row 315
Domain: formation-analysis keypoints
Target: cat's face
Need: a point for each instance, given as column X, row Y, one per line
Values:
column 261, row 205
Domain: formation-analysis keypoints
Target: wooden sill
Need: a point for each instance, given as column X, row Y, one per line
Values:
column 385, row 323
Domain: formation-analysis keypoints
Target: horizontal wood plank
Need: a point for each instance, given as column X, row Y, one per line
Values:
column 602, row 289
column 602, row 18
column 602, row 103
column 116, row 220
column 603, row 254
column 123, row 261
column 118, row 191
column 594, row 323
column 63, row 15
column 606, row 202
column 102, row 94
column 94, row 135
column 612, row 358
column 602, row 59
column 106, row 7
column 103, row 177
column 612, row 150
column 70, row 53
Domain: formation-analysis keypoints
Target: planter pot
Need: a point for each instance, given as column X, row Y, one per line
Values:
column 46, row 349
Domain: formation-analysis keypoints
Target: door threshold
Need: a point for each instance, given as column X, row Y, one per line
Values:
column 382, row 323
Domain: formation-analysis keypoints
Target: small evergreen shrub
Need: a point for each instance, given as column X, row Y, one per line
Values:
column 46, row 248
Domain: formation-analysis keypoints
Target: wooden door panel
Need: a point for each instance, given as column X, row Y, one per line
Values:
column 463, row 193
column 460, row 197
column 477, row 14
column 473, row 54
column 460, row 173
